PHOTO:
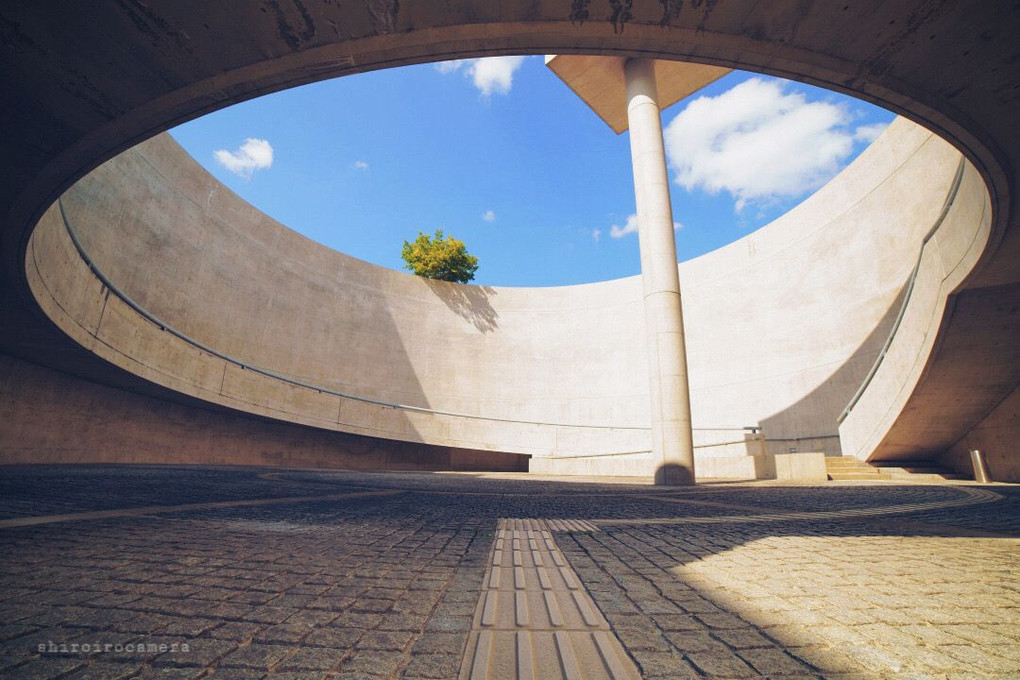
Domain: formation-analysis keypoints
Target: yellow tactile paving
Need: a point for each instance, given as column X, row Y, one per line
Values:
column 533, row 619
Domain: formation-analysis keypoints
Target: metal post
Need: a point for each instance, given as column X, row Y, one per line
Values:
column 977, row 459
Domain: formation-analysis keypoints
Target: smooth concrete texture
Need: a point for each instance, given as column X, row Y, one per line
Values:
column 601, row 83
column 801, row 467
column 49, row 417
column 86, row 81
column 571, row 360
column 995, row 437
column 946, row 258
column 670, row 403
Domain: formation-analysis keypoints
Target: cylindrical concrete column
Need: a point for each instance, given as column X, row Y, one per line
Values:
column 672, row 439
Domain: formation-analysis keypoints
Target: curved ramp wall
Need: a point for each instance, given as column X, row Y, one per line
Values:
column 946, row 258
column 782, row 325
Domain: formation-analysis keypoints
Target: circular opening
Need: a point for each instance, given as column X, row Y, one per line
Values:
column 500, row 153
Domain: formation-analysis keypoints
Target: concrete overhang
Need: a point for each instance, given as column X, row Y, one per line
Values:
column 599, row 82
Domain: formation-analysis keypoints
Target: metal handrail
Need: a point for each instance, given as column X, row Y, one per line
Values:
column 162, row 325
column 950, row 198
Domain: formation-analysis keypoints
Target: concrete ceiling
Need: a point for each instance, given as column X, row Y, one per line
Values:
column 600, row 83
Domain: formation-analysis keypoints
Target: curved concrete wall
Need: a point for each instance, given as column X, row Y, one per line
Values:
column 89, row 80
column 782, row 325
column 945, row 260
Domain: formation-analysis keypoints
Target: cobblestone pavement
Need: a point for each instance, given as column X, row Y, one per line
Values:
column 387, row 585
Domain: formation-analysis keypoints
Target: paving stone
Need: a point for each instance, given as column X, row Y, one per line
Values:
column 385, row 640
column 441, row 643
column 829, row 661
column 284, row 633
column 719, row 662
column 312, row 617
column 770, row 661
column 255, row 655
column 664, row 665
column 743, row 638
column 235, row 631
column 269, row 614
column 448, row 624
column 333, row 638
column 404, row 621
column 189, row 627
column 859, row 597
column 694, row 641
column 313, row 658
column 374, row 662
column 48, row 668
column 232, row 674
column 975, row 658
column 359, row 621
column 432, row 666
column 102, row 671
column 722, row 621
column 15, row 630
column 200, row 653
column 167, row 673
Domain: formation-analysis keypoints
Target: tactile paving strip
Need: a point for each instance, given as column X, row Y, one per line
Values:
column 535, row 620
column 547, row 524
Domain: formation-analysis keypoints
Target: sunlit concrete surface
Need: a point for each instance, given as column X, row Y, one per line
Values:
column 285, row 573
column 86, row 82
column 557, row 373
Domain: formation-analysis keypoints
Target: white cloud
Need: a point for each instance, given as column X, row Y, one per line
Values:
column 869, row 133
column 361, row 165
column 446, row 67
column 489, row 216
column 494, row 74
column 254, row 154
column 631, row 227
column 760, row 143
column 491, row 75
column 596, row 235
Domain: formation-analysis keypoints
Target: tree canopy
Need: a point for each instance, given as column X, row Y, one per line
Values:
column 439, row 257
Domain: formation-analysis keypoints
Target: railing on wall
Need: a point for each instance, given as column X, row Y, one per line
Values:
column 168, row 328
column 954, row 188
column 754, row 431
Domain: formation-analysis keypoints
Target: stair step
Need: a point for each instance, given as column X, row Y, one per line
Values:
column 838, row 476
column 848, row 468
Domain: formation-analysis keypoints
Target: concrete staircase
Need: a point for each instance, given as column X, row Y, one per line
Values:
column 917, row 470
column 848, row 468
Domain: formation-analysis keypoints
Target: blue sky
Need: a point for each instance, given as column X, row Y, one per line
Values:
column 501, row 154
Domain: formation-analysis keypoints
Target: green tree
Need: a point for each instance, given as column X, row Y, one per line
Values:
column 439, row 257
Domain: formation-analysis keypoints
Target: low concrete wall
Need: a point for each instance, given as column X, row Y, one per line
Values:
column 49, row 417
column 801, row 467
column 782, row 325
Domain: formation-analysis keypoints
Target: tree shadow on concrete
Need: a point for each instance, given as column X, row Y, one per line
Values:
column 470, row 302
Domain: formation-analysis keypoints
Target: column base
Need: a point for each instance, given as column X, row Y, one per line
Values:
column 672, row 474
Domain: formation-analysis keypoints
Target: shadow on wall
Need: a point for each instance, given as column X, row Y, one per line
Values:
column 470, row 302
column 259, row 307
column 810, row 423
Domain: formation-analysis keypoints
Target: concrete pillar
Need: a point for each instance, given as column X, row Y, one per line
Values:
column 672, row 440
